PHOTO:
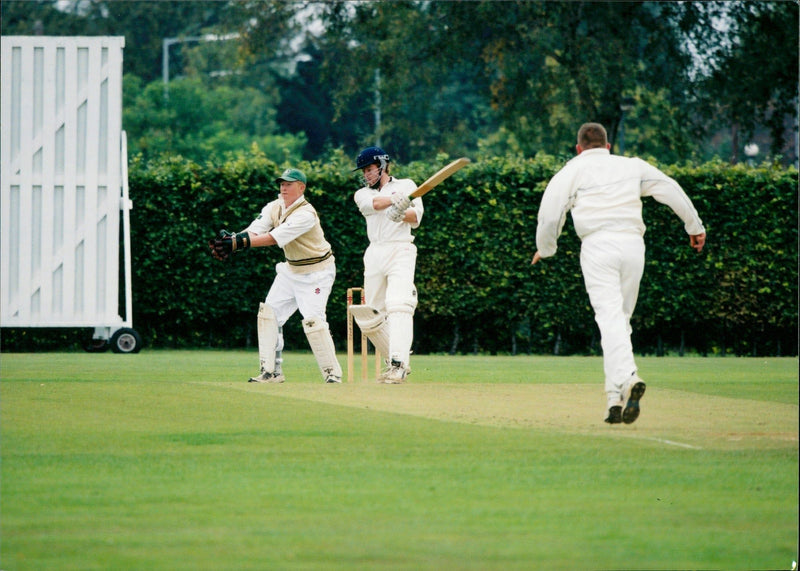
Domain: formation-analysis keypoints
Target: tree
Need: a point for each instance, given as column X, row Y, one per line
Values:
column 431, row 96
column 204, row 123
column 473, row 78
column 38, row 17
column 755, row 80
column 306, row 106
column 555, row 65
column 144, row 24
column 454, row 73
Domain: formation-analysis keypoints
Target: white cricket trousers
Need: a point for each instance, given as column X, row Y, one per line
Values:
column 389, row 269
column 307, row 292
column 612, row 265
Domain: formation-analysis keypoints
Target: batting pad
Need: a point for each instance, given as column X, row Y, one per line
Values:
column 319, row 337
column 267, row 337
column 401, row 332
column 373, row 323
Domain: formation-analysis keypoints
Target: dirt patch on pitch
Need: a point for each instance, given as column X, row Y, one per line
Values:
column 669, row 418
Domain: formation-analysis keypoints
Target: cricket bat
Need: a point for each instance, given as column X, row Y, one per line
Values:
column 440, row 176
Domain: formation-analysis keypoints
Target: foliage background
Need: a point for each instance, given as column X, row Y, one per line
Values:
column 505, row 83
column 478, row 292
column 687, row 80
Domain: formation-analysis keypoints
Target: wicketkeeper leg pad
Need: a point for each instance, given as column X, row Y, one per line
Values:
column 267, row 337
column 321, row 342
column 373, row 323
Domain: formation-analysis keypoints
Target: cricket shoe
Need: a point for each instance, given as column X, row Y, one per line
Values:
column 267, row 377
column 396, row 373
column 333, row 379
column 614, row 415
column 632, row 394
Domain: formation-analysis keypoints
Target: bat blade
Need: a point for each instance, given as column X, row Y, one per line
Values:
column 440, row 175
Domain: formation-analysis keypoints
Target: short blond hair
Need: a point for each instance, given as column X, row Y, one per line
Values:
column 592, row 136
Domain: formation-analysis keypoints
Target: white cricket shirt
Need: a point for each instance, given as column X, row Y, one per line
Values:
column 604, row 193
column 379, row 227
column 298, row 224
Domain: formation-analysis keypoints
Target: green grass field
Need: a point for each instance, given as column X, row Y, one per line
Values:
column 168, row 460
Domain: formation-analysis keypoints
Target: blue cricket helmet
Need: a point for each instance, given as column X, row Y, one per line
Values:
column 370, row 156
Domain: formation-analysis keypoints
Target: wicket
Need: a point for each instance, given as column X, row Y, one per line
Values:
column 364, row 340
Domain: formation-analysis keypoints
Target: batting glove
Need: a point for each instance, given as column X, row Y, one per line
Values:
column 401, row 201
column 395, row 214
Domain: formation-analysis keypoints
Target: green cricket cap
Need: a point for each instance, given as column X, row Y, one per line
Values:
column 292, row 175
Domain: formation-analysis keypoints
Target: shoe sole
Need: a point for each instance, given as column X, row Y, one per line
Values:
column 631, row 412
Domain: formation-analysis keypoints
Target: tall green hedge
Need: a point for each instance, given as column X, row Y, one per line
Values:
column 477, row 289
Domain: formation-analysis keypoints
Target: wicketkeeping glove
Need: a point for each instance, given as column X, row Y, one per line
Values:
column 227, row 243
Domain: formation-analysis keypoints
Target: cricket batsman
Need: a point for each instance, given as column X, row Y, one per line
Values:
column 304, row 281
column 389, row 262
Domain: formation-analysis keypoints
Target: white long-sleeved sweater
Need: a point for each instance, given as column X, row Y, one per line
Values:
column 604, row 192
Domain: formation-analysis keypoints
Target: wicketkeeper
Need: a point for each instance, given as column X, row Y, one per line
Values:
column 604, row 193
column 389, row 262
column 303, row 281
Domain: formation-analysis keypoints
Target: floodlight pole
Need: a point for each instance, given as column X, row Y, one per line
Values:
column 167, row 42
column 626, row 105
column 378, row 106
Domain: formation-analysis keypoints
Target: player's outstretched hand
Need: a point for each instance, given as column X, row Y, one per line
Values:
column 222, row 246
column 227, row 243
column 697, row 241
